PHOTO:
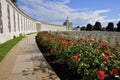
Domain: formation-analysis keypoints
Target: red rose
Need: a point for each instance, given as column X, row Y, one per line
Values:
column 109, row 53
column 106, row 58
column 14, row 36
column 105, row 47
column 81, row 39
column 69, row 43
column 101, row 75
column 75, row 57
column 100, row 41
column 52, row 51
column 62, row 43
column 114, row 72
column 98, row 44
column 91, row 40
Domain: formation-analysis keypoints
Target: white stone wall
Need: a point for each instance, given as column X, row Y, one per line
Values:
column 17, row 22
column 14, row 21
column 51, row 27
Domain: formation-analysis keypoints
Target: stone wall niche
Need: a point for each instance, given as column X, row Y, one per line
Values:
column 1, row 25
column 38, row 25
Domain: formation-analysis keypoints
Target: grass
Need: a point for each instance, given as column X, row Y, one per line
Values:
column 7, row 46
column 31, row 33
column 65, row 33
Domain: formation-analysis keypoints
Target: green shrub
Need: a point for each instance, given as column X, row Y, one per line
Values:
column 92, row 60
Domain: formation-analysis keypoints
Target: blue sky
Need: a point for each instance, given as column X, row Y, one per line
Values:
column 80, row 12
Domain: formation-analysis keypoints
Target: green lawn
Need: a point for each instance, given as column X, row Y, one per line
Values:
column 31, row 33
column 7, row 46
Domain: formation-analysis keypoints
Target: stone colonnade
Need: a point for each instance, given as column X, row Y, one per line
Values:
column 14, row 22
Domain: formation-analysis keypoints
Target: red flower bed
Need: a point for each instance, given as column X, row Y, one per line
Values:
column 88, row 58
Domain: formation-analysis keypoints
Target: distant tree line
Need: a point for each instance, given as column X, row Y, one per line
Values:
column 98, row 27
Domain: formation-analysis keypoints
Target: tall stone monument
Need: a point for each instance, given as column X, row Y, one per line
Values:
column 68, row 24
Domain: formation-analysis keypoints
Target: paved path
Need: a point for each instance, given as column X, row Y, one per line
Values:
column 25, row 62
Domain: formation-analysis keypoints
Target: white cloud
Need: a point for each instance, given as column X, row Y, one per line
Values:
column 57, row 12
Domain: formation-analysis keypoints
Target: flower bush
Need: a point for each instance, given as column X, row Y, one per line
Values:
column 93, row 60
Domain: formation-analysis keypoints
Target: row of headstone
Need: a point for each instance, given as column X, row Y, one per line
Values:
column 111, row 37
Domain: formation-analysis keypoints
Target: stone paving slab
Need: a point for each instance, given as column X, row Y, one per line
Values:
column 23, row 64
column 23, row 77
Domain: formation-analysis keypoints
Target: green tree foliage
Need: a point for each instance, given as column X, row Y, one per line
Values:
column 83, row 28
column 103, row 29
column 78, row 27
column 97, row 26
column 118, row 26
column 14, row 1
column 110, row 26
column 89, row 27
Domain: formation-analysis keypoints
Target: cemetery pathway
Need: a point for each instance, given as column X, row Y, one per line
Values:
column 26, row 62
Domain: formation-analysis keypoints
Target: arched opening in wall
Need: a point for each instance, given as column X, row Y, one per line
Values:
column 1, row 25
column 24, row 24
column 14, row 21
column 27, row 24
column 38, row 27
column 18, row 22
column 9, row 26
column 21, row 24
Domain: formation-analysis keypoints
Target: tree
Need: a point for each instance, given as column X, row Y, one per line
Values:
column 14, row 1
column 103, row 29
column 83, row 28
column 118, row 26
column 110, row 27
column 78, row 27
column 89, row 27
column 97, row 26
